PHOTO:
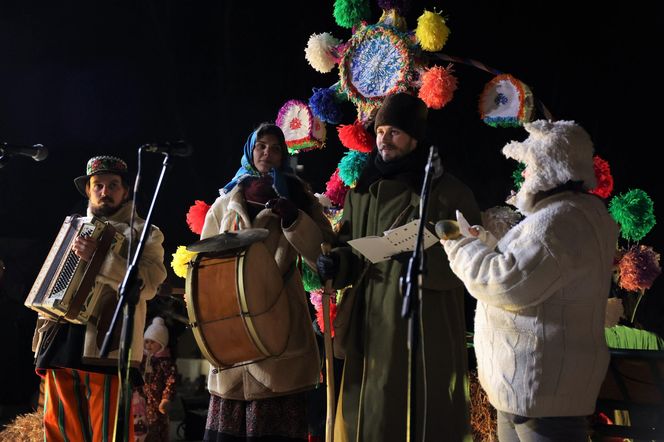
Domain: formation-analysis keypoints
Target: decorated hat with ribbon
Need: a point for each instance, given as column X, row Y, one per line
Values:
column 100, row 165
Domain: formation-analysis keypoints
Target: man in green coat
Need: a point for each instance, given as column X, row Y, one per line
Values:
column 373, row 401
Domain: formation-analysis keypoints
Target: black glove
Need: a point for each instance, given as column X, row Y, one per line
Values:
column 285, row 209
column 328, row 266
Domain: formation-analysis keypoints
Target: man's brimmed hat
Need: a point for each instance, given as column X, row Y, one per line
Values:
column 101, row 165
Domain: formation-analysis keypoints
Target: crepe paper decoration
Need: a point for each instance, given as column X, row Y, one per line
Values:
column 325, row 105
column 506, row 102
column 378, row 61
column 333, row 314
column 356, row 137
column 517, row 175
column 431, row 31
column 620, row 336
column 196, row 216
column 320, row 52
column 351, row 165
column 310, row 279
column 335, row 189
column 438, row 86
column 604, row 178
column 638, row 268
column 181, row 259
column 302, row 130
column 348, row 13
column 634, row 212
column 400, row 6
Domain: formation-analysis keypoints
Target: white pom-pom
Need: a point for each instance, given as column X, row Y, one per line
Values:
column 319, row 51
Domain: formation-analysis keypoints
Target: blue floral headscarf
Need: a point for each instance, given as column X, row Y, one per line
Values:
column 247, row 168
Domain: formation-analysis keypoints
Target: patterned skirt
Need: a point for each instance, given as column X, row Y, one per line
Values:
column 281, row 418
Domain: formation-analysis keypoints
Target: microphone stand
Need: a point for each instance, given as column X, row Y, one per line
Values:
column 129, row 294
column 410, row 308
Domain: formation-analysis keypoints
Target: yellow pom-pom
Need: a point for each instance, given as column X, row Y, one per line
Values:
column 431, row 32
column 181, row 259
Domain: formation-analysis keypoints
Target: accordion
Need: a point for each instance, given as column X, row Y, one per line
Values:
column 65, row 286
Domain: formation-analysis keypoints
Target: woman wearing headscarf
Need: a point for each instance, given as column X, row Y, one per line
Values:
column 265, row 400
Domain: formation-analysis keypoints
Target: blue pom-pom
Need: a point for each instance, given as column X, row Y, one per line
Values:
column 324, row 105
column 351, row 165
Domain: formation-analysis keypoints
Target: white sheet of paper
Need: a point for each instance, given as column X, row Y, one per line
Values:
column 401, row 239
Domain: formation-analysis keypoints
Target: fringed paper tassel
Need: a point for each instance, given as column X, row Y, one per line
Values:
column 348, row 13
column 321, row 53
column 355, row 137
column 316, row 298
column 324, row 105
column 431, row 32
column 310, row 279
column 351, row 165
column 604, row 178
column 196, row 216
column 438, row 86
column 181, row 259
column 335, row 189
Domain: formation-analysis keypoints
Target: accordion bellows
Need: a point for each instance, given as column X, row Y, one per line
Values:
column 64, row 288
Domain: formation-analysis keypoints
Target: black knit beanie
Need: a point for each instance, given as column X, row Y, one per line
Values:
column 405, row 112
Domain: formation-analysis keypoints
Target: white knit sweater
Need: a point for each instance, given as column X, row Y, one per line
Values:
column 539, row 323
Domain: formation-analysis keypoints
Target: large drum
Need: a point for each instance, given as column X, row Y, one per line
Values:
column 237, row 305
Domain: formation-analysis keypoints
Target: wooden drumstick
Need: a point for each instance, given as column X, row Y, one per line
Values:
column 329, row 356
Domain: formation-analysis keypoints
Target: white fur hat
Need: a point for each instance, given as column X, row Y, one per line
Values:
column 554, row 153
column 157, row 331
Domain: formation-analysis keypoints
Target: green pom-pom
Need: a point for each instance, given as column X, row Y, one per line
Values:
column 351, row 165
column 634, row 212
column 517, row 175
column 348, row 13
column 310, row 279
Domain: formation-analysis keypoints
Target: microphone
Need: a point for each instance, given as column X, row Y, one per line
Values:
column 436, row 163
column 37, row 152
column 177, row 148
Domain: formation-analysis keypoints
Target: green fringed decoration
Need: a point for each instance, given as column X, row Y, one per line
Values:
column 634, row 212
column 310, row 279
column 351, row 165
column 632, row 338
column 517, row 175
column 348, row 13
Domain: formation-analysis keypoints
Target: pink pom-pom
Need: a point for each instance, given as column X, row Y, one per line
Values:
column 438, row 86
column 335, row 189
column 316, row 298
column 355, row 136
column 638, row 268
column 604, row 178
column 196, row 216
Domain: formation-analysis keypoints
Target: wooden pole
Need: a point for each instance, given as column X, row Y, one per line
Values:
column 329, row 355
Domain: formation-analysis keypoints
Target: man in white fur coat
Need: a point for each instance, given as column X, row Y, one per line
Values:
column 542, row 291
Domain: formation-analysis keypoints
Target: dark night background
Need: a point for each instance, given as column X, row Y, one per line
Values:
column 86, row 78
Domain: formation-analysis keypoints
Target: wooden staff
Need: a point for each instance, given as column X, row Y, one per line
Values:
column 329, row 355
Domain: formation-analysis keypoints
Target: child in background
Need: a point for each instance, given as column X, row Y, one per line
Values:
column 159, row 373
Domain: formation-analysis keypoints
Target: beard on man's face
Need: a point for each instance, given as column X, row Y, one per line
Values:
column 104, row 208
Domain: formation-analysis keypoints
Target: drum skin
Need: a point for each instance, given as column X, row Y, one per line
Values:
column 237, row 306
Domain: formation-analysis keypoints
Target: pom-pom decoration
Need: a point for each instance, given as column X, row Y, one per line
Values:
column 431, row 31
column 196, row 216
column 638, row 268
column 320, row 52
column 335, row 189
column 438, row 86
column 356, row 137
column 310, row 279
column 506, row 102
column 302, row 130
column 181, row 259
column 517, row 175
column 350, row 167
column 348, row 13
column 377, row 62
column 604, row 178
column 634, row 211
column 324, row 105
